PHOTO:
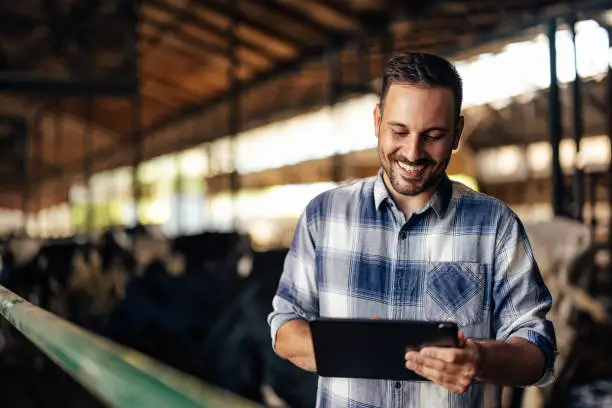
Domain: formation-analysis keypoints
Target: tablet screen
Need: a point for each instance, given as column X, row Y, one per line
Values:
column 375, row 349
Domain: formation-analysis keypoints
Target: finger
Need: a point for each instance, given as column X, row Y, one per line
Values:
column 419, row 361
column 456, row 388
column 434, row 364
column 436, row 375
column 459, row 361
column 462, row 339
column 450, row 355
column 375, row 317
column 453, row 383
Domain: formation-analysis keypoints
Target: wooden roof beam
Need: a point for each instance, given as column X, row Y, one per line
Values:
column 178, row 16
column 166, row 82
column 299, row 17
column 206, row 26
column 182, row 36
column 241, row 17
column 521, row 22
column 529, row 20
column 340, row 7
column 316, row 53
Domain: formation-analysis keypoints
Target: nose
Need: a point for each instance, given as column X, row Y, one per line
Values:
column 412, row 148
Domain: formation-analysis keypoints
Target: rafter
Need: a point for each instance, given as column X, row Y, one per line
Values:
column 206, row 26
column 166, row 82
column 178, row 17
column 182, row 51
column 311, row 54
column 299, row 17
column 340, row 7
column 241, row 17
column 182, row 36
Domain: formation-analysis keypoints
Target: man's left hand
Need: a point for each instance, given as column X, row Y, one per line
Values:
column 454, row 368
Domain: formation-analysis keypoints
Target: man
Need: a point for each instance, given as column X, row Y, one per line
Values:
column 411, row 244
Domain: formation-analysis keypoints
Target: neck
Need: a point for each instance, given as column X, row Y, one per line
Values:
column 408, row 205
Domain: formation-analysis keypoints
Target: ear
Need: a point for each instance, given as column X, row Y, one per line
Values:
column 458, row 132
column 377, row 119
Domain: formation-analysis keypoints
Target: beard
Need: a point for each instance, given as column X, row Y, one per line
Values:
column 412, row 178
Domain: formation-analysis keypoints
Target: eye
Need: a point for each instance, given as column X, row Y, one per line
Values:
column 398, row 132
column 434, row 136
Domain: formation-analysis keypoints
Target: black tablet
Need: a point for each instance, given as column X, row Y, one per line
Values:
column 375, row 349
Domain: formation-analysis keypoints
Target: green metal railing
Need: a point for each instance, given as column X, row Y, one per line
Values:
column 118, row 376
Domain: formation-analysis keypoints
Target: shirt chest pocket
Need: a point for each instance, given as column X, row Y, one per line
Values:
column 455, row 292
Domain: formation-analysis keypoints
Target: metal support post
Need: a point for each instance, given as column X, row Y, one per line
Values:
column 136, row 118
column 178, row 193
column 609, row 132
column 27, row 180
column 38, row 163
column 233, row 108
column 31, row 173
column 334, row 94
column 578, row 130
column 57, row 146
column 555, row 124
column 136, row 153
column 209, row 172
column 87, row 149
column 593, row 178
column 58, row 137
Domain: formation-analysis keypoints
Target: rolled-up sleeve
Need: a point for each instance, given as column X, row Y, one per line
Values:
column 297, row 295
column 521, row 298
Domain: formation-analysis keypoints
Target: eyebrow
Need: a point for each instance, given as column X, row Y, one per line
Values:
column 429, row 129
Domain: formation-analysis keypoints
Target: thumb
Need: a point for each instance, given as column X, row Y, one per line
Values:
column 375, row 317
column 462, row 339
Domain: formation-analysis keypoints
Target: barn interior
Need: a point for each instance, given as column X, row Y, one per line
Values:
column 156, row 155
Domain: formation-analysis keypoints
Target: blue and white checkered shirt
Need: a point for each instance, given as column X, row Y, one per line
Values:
column 464, row 257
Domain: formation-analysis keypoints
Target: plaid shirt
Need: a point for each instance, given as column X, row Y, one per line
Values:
column 464, row 257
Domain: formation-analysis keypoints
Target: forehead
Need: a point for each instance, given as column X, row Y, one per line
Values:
column 427, row 103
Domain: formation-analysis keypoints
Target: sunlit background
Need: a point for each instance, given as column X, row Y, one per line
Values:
column 268, row 214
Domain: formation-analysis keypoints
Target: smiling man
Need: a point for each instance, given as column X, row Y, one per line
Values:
column 409, row 244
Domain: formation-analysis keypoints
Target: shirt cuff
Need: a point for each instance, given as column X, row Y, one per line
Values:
column 276, row 320
column 548, row 349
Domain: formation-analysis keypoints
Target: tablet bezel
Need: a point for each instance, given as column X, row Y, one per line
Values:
column 367, row 348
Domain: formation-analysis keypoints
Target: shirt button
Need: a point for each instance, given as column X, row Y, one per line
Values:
column 398, row 385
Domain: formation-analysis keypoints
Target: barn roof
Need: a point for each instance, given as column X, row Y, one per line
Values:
column 57, row 56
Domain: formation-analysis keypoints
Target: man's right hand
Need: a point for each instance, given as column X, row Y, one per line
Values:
column 294, row 343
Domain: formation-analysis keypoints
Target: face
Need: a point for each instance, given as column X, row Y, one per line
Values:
column 417, row 132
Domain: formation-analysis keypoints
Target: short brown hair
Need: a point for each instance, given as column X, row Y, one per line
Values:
column 422, row 69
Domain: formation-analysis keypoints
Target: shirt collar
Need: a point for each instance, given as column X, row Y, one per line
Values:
column 439, row 201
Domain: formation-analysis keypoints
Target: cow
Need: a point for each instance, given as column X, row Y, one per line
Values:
column 239, row 347
column 197, row 303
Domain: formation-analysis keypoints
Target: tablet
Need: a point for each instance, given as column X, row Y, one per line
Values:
column 375, row 349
